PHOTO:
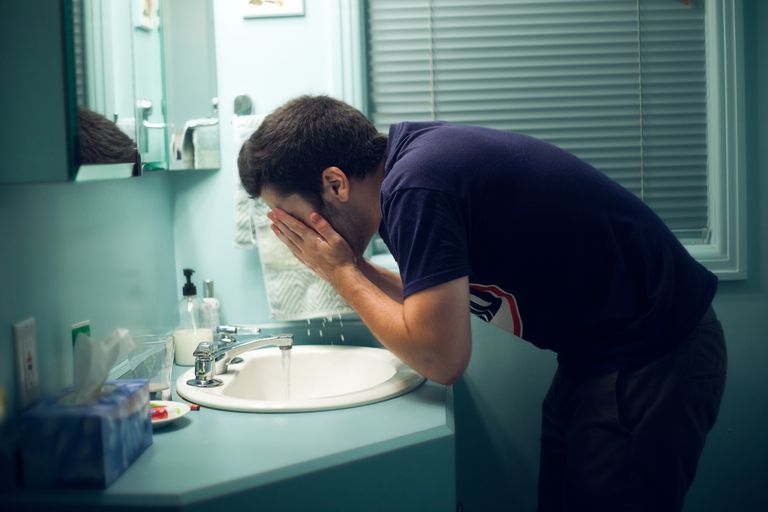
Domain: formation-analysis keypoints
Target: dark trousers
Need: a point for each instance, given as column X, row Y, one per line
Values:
column 631, row 440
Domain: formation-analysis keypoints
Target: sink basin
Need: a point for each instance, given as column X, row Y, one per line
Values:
column 305, row 378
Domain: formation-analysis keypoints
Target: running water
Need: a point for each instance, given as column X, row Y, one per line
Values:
column 286, row 361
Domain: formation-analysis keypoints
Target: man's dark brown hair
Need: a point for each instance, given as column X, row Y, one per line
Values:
column 296, row 142
column 101, row 141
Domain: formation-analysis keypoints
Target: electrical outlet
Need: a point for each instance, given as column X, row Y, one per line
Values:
column 27, row 384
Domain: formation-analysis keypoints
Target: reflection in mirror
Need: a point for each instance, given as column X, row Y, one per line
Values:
column 147, row 26
column 148, row 69
column 104, row 150
column 104, row 90
column 190, row 74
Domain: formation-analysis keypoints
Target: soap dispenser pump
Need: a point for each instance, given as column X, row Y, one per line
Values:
column 190, row 330
column 189, row 289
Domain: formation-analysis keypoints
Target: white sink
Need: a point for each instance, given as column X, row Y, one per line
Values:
column 305, row 378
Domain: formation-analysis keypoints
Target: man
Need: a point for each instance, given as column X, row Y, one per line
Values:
column 533, row 240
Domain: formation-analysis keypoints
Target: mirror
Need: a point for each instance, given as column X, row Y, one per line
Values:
column 145, row 86
column 104, row 90
column 190, row 85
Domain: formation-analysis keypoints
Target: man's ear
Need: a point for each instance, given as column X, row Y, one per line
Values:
column 335, row 185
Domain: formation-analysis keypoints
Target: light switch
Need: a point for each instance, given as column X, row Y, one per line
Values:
column 27, row 384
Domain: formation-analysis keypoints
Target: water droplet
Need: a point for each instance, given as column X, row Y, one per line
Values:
column 321, row 332
column 342, row 338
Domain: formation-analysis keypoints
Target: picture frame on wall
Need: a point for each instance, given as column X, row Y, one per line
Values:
column 272, row 8
column 147, row 14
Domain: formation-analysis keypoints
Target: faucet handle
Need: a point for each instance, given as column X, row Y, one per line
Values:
column 248, row 329
column 226, row 329
column 204, row 350
column 204, row 369
column 234, row 329
column 228, row 333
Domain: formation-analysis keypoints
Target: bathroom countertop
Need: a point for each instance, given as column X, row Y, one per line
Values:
column 210, row 453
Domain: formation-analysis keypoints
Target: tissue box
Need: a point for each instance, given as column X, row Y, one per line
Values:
column 86, row 445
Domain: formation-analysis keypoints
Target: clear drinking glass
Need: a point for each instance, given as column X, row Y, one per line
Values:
column 153, row 360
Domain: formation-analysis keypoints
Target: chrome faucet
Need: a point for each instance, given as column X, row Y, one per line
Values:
column 214, row 358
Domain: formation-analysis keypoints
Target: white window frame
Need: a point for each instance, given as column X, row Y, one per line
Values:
column 725, row 253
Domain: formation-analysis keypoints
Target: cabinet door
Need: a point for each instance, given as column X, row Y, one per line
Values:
column 37, row 142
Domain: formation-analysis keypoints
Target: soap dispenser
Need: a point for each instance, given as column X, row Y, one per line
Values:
column 190, row 330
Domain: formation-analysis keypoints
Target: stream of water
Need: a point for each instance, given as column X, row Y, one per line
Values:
column 286, row 361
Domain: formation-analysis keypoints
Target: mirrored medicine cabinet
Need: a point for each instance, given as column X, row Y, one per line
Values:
column 104, row 89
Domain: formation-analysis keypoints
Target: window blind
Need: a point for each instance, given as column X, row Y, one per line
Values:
column 620, row 83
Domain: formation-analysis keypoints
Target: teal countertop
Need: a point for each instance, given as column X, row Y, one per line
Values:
column 211, row 454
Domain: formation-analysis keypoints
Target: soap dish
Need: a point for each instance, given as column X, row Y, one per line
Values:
column 164, row 412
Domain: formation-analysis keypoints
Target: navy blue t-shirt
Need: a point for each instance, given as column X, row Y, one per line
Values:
column 555, row 251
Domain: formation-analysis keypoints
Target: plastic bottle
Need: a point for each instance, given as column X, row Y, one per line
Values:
column 190, row 330
column 211, row 311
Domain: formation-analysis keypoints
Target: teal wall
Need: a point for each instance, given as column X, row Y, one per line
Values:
column 98, row 251
column 498, row 400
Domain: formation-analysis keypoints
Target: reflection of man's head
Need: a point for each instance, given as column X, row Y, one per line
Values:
column 101, row 141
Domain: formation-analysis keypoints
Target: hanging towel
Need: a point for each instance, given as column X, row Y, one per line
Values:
column 245, row 228
column 196, row 146
column 205, row 141
column 293, row 291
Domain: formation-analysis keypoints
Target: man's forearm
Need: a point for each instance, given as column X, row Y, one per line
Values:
column 423, row 333
column 387, row 281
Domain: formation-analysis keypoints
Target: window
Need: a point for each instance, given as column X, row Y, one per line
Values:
column 648, row 91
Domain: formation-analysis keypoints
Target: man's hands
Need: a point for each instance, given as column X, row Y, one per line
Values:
column 318, row 245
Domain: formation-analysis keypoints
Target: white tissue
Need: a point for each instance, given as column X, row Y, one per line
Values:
column 92, row 362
